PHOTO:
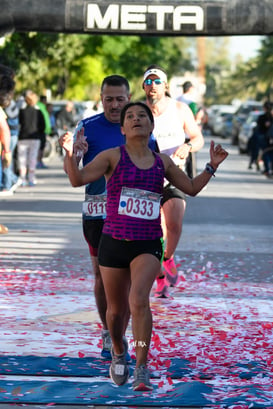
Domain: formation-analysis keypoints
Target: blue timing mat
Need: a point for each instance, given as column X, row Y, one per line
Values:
column 92, row 367
column 36, row 384
column 193, row 393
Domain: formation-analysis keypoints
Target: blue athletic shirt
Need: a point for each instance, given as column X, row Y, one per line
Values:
column 101, row 134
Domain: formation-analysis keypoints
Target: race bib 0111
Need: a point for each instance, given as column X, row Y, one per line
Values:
column 95, row 205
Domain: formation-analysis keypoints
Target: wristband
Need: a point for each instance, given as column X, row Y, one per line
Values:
column 209, row 169
column 190, row 145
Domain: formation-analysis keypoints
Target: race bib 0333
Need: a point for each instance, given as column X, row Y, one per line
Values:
column 139, row 203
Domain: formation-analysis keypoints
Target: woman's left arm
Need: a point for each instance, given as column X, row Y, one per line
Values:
column 193, row 186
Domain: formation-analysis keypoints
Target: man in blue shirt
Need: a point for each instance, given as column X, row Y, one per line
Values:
column 93, row 135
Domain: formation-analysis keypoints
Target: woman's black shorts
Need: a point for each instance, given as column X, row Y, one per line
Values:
column 120, row 253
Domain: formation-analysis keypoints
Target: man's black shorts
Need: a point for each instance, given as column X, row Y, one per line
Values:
column 92, row 230
column 170, row 192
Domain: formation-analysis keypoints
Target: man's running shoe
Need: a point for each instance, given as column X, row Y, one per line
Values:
column 107, row 346
column 141, row 380
column 119, row 371
column 161, row 288
column 170, row 271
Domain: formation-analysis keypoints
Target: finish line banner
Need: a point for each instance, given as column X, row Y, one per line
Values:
column 138, row 17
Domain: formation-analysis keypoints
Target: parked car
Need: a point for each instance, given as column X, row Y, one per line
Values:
column 217, row 116
column 227, row 126
column 211, row 111
column 240, row 117
column 221, row 119
column 246, row 130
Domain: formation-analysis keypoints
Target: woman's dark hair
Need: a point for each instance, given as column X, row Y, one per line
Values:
column 132, row 104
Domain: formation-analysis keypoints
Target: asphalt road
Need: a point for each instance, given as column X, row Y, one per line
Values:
column 231, row 218
column 233, row 213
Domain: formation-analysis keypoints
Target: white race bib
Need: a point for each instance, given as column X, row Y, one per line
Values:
column 95, row 205
column 139, row 203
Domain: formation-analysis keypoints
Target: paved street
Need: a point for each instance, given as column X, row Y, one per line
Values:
column 228, row 225
column 233, row 213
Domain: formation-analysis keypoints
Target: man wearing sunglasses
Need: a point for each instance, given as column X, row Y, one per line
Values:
column 173, row 120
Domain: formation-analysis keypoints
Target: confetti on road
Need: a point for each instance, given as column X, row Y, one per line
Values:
column 215, row 330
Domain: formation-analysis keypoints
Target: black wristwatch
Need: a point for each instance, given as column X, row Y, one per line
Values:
column 210, row 169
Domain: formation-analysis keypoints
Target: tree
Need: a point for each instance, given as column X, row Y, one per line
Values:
column 217, row 69
column 252, row 79
column 73, row 66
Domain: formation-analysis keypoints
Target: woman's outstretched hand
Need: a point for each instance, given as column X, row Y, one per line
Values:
column 217, row 155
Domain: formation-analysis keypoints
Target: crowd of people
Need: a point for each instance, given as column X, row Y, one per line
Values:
column 30, row 120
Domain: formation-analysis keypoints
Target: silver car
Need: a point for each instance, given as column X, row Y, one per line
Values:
column 246, row 130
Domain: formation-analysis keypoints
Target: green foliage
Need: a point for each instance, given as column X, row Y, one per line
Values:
column 86, row 85
column 131, row 55
column 73, row 65
column 252, row 79
column 218, row 68
column 42, row 61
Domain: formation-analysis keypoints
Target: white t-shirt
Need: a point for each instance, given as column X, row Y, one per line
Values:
column 168, row 129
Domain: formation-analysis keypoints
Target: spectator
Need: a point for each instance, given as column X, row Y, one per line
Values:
column 65, row 117
column 32, row 127
column 189, row 97
column 264, row 122
column 253, row 148
column 268, row 151
column 7, row 85
column 52, row 119
column 11, row 181
column 47, row 131
column 92, row 109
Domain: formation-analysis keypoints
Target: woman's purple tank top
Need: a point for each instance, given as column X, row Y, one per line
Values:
column 133, row 200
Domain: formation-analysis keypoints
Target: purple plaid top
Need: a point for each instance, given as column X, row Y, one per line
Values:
column 127, row 226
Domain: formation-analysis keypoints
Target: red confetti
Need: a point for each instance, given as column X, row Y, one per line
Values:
column 170, row 382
